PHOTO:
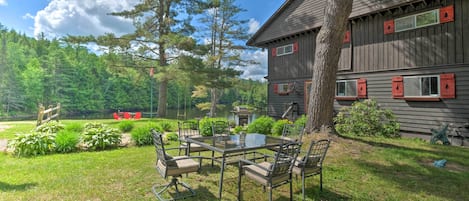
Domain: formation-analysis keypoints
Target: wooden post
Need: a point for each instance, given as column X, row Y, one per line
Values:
column 40, row 114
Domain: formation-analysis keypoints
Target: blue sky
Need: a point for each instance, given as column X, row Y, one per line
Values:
column 56, row 18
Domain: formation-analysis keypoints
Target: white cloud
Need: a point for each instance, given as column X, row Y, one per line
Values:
column 253, row 26
column 254, row 71
column 82, row 17
column 3, row 2
column 28, row 16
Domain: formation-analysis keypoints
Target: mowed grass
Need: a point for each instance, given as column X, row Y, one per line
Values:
column 354, row 169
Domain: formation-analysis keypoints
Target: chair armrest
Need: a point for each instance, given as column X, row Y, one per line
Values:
column 242, row 161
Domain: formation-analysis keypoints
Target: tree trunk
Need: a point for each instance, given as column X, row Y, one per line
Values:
column 213, row 102
column 162, row 98
column 328, row 47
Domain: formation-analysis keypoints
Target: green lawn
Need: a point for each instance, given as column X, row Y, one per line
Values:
column 355, row 169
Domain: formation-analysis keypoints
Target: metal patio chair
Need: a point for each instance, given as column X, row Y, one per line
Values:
column 174, row 167
column 271, row 174
column 311, row 163
column 220, row 128
column 189, row 129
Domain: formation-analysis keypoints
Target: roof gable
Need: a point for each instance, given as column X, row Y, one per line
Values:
column 296, row 16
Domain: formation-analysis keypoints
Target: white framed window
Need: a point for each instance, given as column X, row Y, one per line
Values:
column 285, row 50
column 346, row 88
column 422, row 86
column 427, row 18
column 419, row 20
column 283, row 88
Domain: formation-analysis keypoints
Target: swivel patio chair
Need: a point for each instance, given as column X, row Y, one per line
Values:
column 189, row 129
column 311, row 163
column 174, row 167
column 271, row 174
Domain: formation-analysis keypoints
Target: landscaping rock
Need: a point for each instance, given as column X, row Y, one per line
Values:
column 3, row 145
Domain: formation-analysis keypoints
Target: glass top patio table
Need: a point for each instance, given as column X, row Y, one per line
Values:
column 237, row 143
column 229, row 144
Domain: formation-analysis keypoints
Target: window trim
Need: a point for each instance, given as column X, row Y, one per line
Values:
column 414, row 20
column 284, row 48
column 420, row 87
column 346, row 97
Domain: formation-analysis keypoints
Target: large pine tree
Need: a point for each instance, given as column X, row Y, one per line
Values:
column 328, row 45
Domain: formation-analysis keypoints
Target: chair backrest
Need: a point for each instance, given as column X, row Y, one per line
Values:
column 220, row 128
column 159, row 146
column 285, row 158
column 126, row 115
column 116, row 116
column 138, row 115
column 293, row 131
column 316, row 153
column 188, row 129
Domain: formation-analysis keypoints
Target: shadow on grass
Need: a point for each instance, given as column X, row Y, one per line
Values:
column 313, row 193
column 441, row 151
column 417, row 179
column 16, row 187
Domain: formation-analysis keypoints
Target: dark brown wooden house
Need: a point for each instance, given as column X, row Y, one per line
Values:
column 412, row 56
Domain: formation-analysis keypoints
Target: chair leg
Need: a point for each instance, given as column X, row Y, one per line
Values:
column 320, row 180
column 239, row 185
column 270, row 194
column 303, row 184
column 174, row 183
column 291, row 190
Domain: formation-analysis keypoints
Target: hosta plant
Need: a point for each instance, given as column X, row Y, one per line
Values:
column 100, row 136
column 50, row 127
column 32, row 144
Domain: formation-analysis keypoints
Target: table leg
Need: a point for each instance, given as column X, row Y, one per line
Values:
column 222, row 169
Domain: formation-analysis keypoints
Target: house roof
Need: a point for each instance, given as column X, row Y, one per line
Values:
column 296, row 16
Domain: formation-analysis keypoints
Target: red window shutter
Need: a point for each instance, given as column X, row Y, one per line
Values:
column 275, row 88
column 274, row 52
column 295, row 47
column 347, row 37
column 361, row 88
column 389, row 27
column 447, row 14
column 447, row 86
column 397, row 87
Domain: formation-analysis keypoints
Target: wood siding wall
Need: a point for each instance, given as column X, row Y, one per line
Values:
column 436, row 49
column 300, row 15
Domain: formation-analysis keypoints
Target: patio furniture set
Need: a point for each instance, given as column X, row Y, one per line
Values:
column 269, row 170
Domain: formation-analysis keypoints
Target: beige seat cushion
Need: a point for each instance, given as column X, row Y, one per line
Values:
column 182, row 166
column 262, row 176
column 297, row 170
column 194, row 147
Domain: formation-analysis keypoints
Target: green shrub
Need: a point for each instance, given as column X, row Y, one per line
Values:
column 155, row 126
column 301, row 121
column 126, row 126
column 66, row 141
column 172, row 136
column 205, row 126
column 239, row 129
column 74, row 127
column 99, row 136
column 32, row 144
column 166, row 126
column 366, row 119
column 142, row 136
column 277, row 127
column 261, row 125
column 50, row 127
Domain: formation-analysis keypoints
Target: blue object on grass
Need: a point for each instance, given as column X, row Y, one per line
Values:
column 439, row 163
